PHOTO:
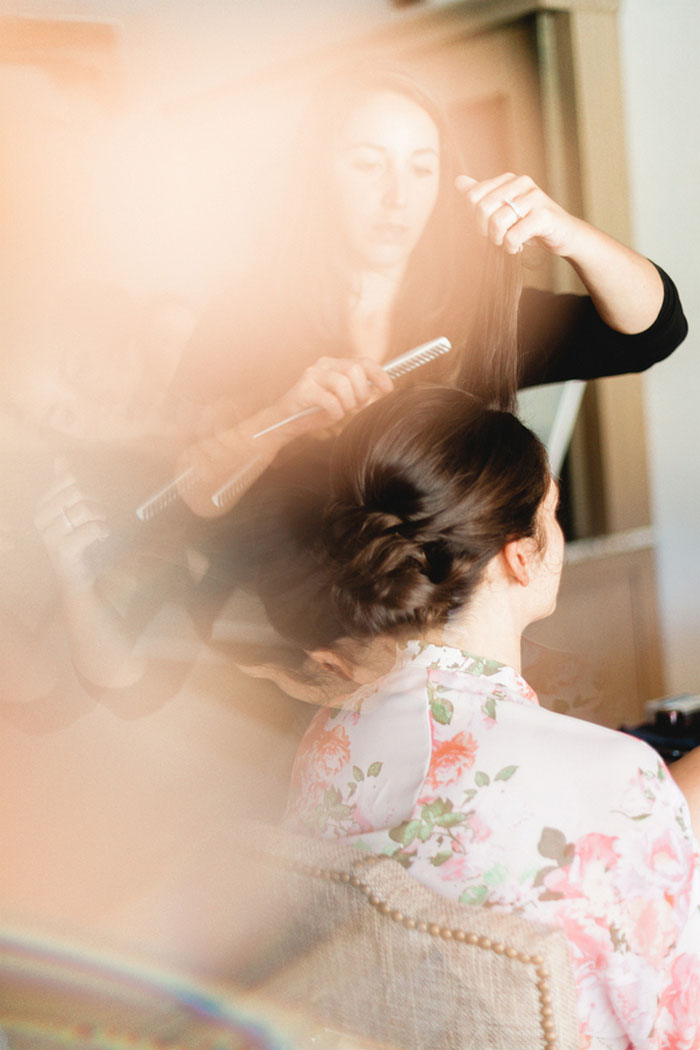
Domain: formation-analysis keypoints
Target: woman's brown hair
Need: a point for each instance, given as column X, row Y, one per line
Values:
column 427, row 485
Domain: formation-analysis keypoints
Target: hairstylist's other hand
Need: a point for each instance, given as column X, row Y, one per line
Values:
column 511, row 210
column 68, row 523
column 337, row 386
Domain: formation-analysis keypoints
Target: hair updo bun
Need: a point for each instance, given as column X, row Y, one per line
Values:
column 390, row 568
column 427, row 486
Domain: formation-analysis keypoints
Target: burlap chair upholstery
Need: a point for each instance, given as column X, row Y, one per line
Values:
column 331, row 949
column 355, row 942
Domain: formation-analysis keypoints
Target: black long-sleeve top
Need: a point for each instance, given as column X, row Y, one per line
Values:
column 562, row 337
column 247, row 350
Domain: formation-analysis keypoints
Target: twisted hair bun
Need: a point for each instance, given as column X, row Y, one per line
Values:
column 391, row 569
column 427, row 486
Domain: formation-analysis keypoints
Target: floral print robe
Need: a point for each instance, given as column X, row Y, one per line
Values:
column 449, row 764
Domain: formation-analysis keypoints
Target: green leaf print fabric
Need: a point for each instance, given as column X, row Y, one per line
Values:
column 449, row 764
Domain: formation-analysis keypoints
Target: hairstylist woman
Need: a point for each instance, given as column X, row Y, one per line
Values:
column 387, row 243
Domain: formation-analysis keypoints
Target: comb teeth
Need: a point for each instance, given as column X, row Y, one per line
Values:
column 240, row 481
column 163, row 497
column 420, row 359
column 420, row 355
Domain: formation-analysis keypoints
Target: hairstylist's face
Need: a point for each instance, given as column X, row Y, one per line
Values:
column 387, row 171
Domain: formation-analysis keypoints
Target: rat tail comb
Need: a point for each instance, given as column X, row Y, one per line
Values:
column 399, row 366
column 242, row 479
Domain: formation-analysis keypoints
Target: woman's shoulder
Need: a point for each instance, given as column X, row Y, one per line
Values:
column 605, row 775
column 595, row 747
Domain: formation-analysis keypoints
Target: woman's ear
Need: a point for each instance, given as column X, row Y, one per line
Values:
column 332, row 661
column 516, row 555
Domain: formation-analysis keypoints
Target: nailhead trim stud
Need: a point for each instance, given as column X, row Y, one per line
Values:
column 447, row 933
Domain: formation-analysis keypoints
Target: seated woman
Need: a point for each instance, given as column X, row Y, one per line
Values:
column 442, row 534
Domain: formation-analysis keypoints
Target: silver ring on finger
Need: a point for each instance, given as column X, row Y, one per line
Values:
column 511, row 204
column 67, row 518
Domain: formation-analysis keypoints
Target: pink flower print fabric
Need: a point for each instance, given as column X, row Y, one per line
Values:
column 449, row 764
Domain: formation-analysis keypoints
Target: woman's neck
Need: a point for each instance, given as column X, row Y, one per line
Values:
column 376, row 286
column 370, row 311
column 487, row 630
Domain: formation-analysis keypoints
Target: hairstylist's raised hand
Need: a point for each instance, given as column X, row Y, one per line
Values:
column 69, row 523
column 625, row 287
column 511, row 210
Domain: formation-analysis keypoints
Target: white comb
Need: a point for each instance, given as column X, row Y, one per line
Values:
column 164, row 497
column 399, row 366
column 239, row 482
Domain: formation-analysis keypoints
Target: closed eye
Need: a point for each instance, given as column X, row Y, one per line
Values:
column 367, row 159
column 367, row 167
column 425, row 162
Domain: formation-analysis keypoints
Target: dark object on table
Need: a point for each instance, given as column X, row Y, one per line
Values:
column 672, row 727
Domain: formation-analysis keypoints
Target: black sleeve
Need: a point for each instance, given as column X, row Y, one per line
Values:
column 562, row 337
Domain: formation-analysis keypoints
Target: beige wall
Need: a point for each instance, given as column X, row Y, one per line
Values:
column 660, row 43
